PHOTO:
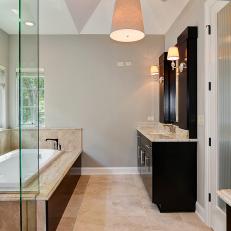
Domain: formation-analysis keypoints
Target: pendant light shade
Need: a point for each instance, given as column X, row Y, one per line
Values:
column 173, row 54
column 127, row 22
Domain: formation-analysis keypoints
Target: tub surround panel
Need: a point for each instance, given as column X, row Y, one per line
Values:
column 70, row 139
column 5, row 141
column 57, row 203
column 51, row 177
column 41, row 215
column 10, row 216
column 225, row 195
column 57, row 183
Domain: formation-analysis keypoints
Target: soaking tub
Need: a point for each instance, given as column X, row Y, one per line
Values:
column 9, row 167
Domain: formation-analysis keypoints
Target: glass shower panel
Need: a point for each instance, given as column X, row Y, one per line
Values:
column 27, row 78
column 224, row 98
column 9, row 31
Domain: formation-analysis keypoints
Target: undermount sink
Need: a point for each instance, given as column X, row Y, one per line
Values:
column 159, row 133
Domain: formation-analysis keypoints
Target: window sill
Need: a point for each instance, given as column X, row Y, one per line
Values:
column 4, row 130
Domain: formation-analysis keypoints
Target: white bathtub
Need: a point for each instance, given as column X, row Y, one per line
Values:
column 9, row 167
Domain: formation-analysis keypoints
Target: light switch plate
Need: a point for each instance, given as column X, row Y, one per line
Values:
column 120, row 64
column 201, row 120
column 150, row 118
column 128, row 63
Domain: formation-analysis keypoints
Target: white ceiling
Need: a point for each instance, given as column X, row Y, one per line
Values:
column 86, row 16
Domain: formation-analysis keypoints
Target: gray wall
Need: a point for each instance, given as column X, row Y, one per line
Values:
column 193, row 15
column 84, row 88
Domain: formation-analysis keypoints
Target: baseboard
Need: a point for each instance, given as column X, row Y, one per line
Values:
column 200, row 211
column 110, row 171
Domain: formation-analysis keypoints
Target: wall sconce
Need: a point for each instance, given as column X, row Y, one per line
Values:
column 173, row 55
column 154, row 71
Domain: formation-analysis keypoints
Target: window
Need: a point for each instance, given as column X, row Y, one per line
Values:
column 2, row 97
column 30, row 99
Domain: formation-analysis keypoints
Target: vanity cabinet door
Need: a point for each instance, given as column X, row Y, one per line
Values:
column 148, row 173
column 139, row 153
column 175, row 176
column 144, row 156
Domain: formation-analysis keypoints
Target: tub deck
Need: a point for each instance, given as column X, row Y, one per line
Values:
column 49, row 179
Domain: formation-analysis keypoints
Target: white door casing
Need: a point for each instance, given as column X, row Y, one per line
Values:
column 215, row 216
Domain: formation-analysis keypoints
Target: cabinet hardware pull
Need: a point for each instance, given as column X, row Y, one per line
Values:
column 149, row 146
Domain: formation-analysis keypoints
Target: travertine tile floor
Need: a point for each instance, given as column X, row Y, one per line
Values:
column 120, row 203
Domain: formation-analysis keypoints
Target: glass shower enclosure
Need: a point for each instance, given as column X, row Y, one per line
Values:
column 27, row 77
column 19, row 112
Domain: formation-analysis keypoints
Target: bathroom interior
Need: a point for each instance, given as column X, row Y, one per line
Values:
column 114, row 115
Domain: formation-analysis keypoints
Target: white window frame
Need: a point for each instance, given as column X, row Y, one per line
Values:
column 29, row 71
column 3, row 109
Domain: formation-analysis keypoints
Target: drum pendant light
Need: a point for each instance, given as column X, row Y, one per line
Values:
column 127, row 22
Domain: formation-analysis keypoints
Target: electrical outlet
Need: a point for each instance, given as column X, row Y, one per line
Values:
column 201, row 120
column 120, row 64
column 128, row 63
column 150, row 118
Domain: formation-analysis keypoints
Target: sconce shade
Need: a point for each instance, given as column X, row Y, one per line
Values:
column 173, row 54
column 154, row 70
column 127, row 21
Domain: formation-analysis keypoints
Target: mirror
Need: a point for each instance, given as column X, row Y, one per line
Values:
column 184, row 87
column 177, row 92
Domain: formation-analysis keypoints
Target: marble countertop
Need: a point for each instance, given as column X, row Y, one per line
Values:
column 49, row 179
column 225, row 195
column 160, row 136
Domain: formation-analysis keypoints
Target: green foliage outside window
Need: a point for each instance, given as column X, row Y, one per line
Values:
column 32, row 100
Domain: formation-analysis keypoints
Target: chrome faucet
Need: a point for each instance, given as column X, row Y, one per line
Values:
column 171, row 127
column 56, row 143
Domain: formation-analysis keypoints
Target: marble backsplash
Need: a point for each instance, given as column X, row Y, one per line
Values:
column 5, row 141
column 69, row 139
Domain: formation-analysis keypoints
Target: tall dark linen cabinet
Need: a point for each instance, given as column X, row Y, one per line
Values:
column 187, row 44
column 187, row 85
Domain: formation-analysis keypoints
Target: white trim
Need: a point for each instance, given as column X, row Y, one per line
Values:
column 208, row 133
column 110, row 171
column 208, row 5
column 201, row 212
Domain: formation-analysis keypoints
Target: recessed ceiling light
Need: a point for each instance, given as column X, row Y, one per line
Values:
column 29, row 23
column 15, row 11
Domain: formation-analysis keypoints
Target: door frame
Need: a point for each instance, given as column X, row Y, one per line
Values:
column 208, row 120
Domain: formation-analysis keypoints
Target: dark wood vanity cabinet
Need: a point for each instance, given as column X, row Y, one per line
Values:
column 228, row 218
column 169, row 173
column 187, row 95
column 144, row 160
column 167, row 90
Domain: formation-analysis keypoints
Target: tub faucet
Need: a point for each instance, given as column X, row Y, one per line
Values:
column 56, row 143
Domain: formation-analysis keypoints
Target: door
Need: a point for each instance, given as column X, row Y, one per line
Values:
column 219, row 99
